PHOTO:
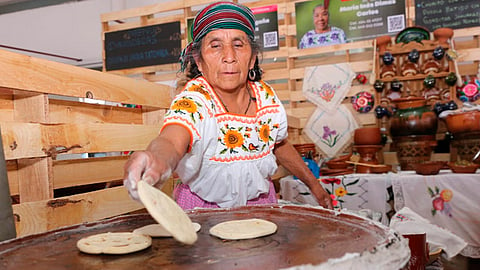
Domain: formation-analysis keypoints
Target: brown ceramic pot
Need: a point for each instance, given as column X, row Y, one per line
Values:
column 412, row 117
column 413, row 150
column 367, row 136
column 442, row 35
column 368, row 153
column 463, row 122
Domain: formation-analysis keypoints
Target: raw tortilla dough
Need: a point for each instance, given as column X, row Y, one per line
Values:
column 157, row 230
column 114, row 243
column 243, row 229
column 167, row 213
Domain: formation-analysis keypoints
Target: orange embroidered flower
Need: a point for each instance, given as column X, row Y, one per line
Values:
column 340, row 192
column 199, row 89
column 186, row 105
column 233, row 139
column 267, row 89
column 265, row 133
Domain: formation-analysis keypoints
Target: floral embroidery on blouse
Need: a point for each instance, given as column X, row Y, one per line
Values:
column 186, row 105
column 199, row 88
column 268, row 91
column 232, row 139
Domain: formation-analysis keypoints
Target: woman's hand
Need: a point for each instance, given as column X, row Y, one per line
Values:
column 322, row 197
column 143, row 166
column 156, row 164
column 288, row 157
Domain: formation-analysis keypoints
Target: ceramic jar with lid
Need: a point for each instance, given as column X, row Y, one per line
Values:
column 412, row 117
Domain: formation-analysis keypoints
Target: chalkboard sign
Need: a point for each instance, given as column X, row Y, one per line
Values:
column 143, row 46
column 433, row 14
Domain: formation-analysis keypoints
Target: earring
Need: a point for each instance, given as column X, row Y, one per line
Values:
column 252, row 74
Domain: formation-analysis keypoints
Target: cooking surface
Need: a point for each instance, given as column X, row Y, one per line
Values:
column 305, row 236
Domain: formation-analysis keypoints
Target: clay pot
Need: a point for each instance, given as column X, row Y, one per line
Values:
column 429, row 168
column 463, row 122
column 467, row 145
column 382, row 43
column 334, row 165
column 414, row 149
column 442, row 35
column 368, row 153
column 367, row 136
column 412, row 117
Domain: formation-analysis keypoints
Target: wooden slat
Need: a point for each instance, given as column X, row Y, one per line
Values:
column 61, row 111
column 40, row 216
column 34, row 179
column 27, row 140
column 76, row 172
column 49, row 77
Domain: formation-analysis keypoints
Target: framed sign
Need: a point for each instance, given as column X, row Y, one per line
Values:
column 144, row 46
column 266, row 23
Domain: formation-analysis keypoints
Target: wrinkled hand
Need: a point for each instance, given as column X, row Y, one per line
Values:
column 323, row 198
column 143, row 166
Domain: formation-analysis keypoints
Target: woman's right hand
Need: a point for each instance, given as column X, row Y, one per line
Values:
column 143, row 165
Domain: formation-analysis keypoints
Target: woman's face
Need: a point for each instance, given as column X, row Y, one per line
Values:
column 226, row 57
column 320, row 19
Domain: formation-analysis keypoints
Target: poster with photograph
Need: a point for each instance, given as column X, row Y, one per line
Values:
column 433, row 14
column 325, row 22
column 266, row 28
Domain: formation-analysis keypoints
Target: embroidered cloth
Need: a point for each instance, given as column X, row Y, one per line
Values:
column 331, row 132
column 448, row 200
column 326, row 86
column 230, row 159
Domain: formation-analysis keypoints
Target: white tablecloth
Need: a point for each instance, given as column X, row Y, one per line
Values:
column 449, row 200
column 352, row 192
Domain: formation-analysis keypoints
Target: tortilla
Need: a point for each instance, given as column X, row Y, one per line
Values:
column 114, row 243
column 167, row 213
column 243, row 229
column 156, row 230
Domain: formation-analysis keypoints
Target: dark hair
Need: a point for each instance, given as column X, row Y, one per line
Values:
column 192, row 71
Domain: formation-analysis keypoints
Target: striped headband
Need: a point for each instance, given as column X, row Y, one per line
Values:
column 219, row 15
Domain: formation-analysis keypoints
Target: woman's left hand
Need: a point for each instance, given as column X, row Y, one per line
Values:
column 323, row 198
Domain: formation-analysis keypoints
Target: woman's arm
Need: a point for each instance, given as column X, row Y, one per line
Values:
column 289, row 158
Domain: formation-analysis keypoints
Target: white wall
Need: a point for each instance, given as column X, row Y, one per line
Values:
column 72, row 29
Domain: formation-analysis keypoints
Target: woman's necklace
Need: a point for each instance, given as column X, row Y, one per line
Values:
column 248, row 105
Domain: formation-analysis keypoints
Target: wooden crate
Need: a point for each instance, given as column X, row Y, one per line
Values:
column 65, row 156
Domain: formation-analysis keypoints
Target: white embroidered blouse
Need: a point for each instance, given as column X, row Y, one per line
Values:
column 230, row 158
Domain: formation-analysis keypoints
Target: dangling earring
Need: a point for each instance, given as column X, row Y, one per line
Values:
column 252, row 74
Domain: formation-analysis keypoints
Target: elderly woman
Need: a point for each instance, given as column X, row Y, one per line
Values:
column 323, row 34
column 226, row 130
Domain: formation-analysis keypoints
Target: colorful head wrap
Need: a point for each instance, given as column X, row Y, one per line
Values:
column 219, row 15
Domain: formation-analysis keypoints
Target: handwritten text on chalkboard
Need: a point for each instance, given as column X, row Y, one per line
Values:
column 144, row 46
column 455, row 14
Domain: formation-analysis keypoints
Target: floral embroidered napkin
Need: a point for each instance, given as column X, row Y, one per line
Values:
column 327, row 85
column 331, row 132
